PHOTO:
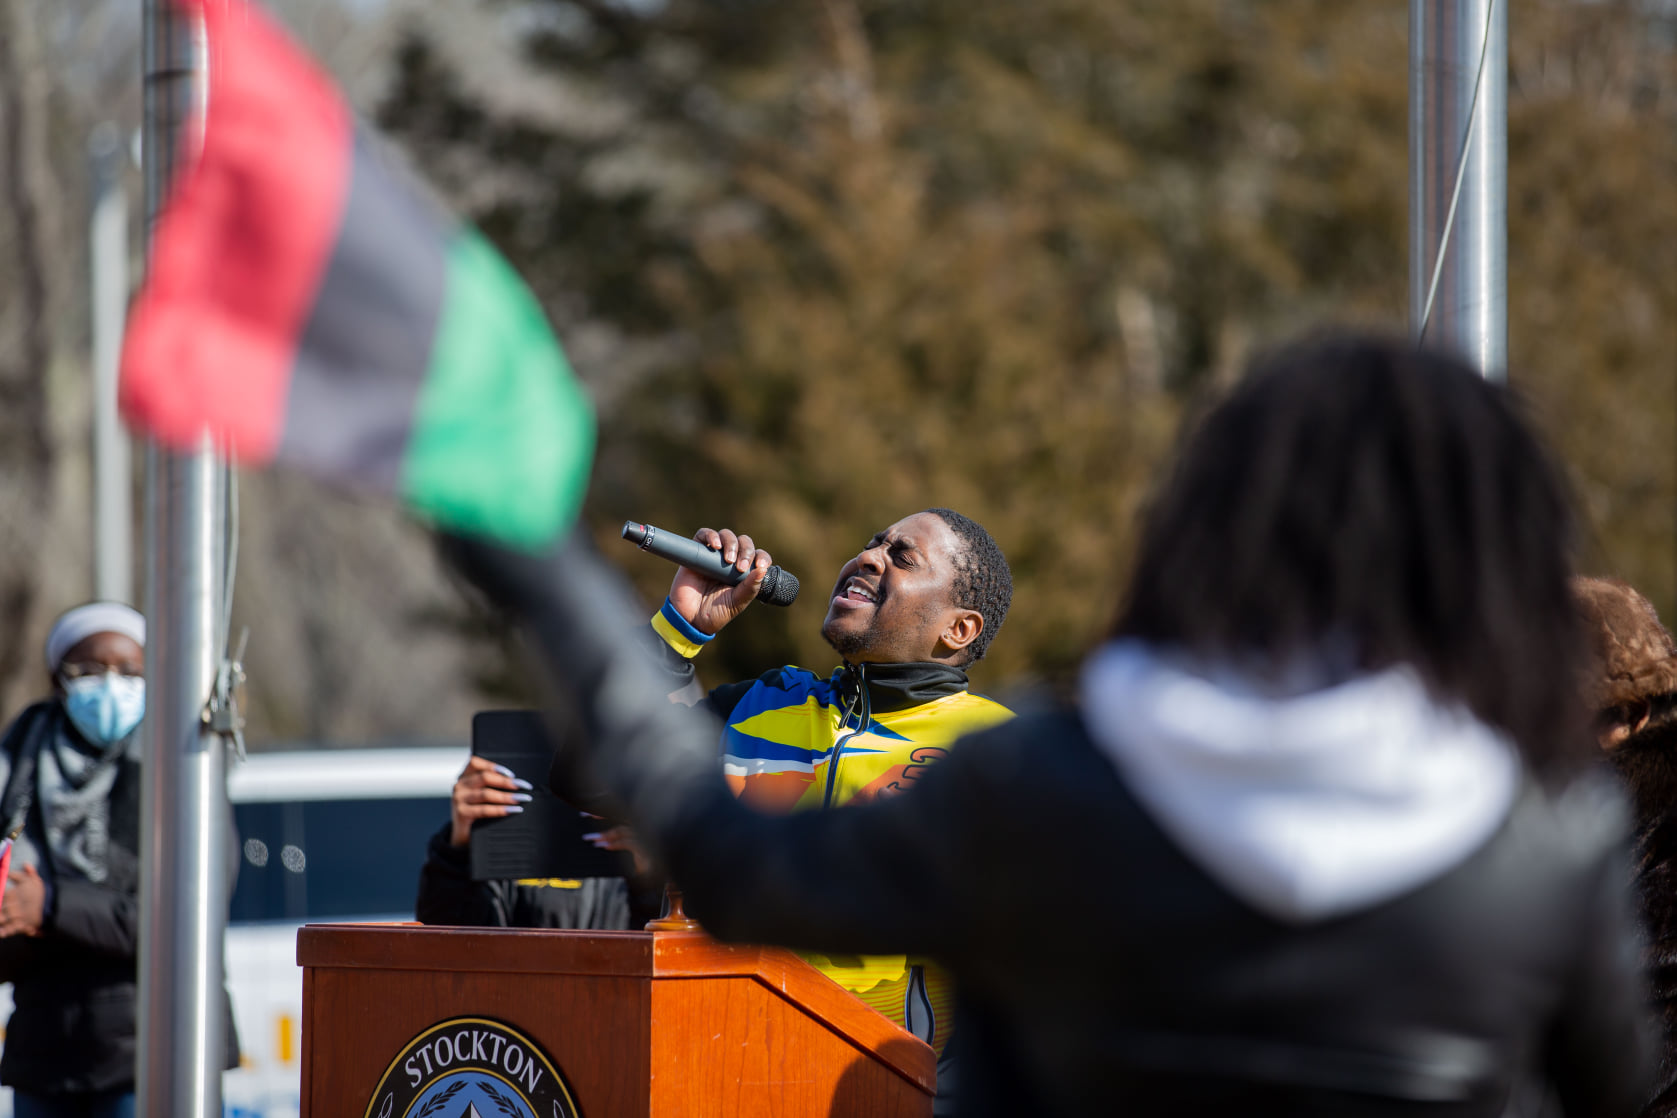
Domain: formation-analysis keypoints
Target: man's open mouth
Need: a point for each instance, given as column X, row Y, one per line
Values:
column 855, row 590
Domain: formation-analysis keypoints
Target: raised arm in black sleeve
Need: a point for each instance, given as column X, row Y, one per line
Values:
column 677, row 674
column 902, row 874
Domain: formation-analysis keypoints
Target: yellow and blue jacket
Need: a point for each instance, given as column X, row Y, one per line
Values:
column 794, row 741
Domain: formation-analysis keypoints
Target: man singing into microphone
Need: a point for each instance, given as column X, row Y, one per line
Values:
column 920, row 602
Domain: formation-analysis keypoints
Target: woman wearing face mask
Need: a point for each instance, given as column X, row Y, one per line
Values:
column 70, row 789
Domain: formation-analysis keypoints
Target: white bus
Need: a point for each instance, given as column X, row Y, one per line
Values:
column 325, row 835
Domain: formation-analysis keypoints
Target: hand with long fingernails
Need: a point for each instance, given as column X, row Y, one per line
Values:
column 485, row 790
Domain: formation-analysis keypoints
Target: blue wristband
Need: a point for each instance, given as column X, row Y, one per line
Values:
column 678, row 632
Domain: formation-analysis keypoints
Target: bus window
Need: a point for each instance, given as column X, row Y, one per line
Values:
column 302, row 860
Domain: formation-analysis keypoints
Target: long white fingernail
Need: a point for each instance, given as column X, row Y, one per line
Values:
column 504, row 771
column 513, row 809
column 591, row 838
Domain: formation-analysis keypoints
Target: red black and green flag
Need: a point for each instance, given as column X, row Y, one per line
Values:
column 308, row 303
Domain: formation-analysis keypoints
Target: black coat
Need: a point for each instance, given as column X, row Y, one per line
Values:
column 448, row 895
column 1161, row 993
column 74, row 984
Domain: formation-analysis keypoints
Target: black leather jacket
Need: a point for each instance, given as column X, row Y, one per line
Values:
column 1511, row 975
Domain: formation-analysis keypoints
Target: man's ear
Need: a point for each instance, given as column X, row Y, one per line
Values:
column 964, row 627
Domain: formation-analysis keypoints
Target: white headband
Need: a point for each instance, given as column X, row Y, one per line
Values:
column 84, row 621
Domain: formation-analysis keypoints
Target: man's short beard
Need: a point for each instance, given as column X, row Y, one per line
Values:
column 847, row 643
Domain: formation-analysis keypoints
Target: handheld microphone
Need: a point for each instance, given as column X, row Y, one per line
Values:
column 779, row 587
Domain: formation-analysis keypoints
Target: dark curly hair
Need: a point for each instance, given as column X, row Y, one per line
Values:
column 1354, row 492
column 982, row 579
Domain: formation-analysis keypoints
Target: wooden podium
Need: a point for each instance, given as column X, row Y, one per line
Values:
column 637, row 1025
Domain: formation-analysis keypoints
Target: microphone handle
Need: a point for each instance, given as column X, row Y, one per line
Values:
column 780, row 586
column 683, row 551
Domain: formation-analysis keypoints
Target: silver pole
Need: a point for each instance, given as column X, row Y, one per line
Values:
column 113, row 505
column 1458, row 178
column 183, row 850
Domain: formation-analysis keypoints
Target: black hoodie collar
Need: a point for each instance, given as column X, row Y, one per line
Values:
column 894, row 687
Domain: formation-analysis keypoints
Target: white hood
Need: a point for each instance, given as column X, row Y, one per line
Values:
column 1305, row 806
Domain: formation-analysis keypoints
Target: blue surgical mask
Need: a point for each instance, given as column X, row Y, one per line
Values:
column 105, row 708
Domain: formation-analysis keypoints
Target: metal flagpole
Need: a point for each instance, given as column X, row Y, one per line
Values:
column 113, row 506
column 1458, row 178
column 185, row 830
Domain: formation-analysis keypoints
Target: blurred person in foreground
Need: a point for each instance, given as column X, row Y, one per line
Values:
column 448, row 895
column 1317, row 801
column 70, row 774
column 908, row 614
column 1632, row 689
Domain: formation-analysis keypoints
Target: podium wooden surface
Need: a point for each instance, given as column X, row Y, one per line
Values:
column 640, row 1024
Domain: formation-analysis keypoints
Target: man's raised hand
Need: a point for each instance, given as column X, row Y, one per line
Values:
column 708, row 605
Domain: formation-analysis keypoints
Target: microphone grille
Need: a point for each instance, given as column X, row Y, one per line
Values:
column 780, row 587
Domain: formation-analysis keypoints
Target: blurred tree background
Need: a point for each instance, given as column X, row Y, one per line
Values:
column 829, row 261
column 826, row 262
column 353, row 633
